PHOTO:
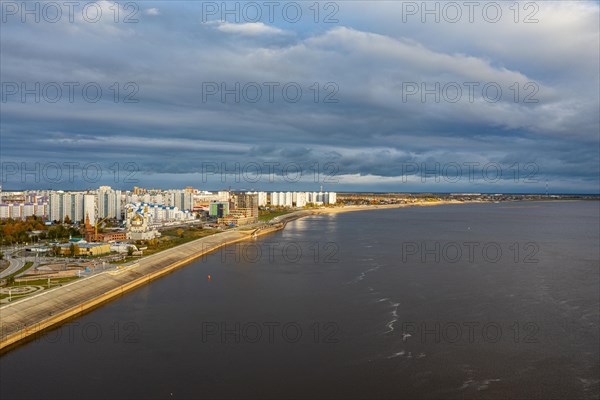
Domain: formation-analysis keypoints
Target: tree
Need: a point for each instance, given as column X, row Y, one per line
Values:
column 67, row 220
column 130, row 251
column 180, row 232
column 72, row 249
column 58, row 232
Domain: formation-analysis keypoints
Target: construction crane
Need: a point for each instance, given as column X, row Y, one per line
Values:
column 88, row 229
column 96, row 228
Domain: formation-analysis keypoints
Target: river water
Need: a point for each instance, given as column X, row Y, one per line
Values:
column 456, row 301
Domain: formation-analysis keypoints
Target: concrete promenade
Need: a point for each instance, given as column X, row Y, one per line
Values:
column 25, row 317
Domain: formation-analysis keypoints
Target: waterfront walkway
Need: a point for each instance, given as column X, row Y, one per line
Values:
column 32, row 314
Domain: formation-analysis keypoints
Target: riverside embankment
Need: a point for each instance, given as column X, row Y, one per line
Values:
column 23, row 319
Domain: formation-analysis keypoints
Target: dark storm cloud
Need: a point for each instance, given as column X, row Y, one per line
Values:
column 353, row 76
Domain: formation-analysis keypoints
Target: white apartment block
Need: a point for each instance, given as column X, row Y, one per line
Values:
column 23, row 210
column 282, row 199
column 183, row 200
column 158, row 213
column 172, row 198
column 331, row 198
column 205, row 197
column 300, row 199
column 108, row 203
column 5, row 211
column 66, row 204
column 89, row 207
column 262, row 198
column 224, row 196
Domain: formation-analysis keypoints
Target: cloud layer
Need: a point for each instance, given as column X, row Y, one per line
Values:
column 373, row 94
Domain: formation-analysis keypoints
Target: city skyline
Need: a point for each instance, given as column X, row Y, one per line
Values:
column 108, row 203
column 283, row 188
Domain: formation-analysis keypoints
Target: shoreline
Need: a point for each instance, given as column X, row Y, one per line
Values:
column 21, row 320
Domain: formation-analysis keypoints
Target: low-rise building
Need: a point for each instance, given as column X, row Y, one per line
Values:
column 111, row 236
column 121, row 247
column 238, row 217
column 84, row 248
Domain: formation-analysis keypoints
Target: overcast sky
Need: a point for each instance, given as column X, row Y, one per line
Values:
column 353, row 96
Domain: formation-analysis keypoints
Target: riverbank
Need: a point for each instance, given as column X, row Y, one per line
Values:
column 336, row 210
column 21, row 320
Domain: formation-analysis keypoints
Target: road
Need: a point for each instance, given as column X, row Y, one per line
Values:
column 15, row 263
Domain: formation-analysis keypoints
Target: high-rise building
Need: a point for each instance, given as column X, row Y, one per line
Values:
column 108, row 203
column 300, row 199
column 183, row 199
column 247, row 201
column 282, row 199
column 20, row 205
column 66, row 204
column 89, row 207
column 218, row 209
column 223, row 195
column 275, row 198
column 331, row 197
column 262, row 198
column 288, row 202
column 245, row 206
column 55, row 206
